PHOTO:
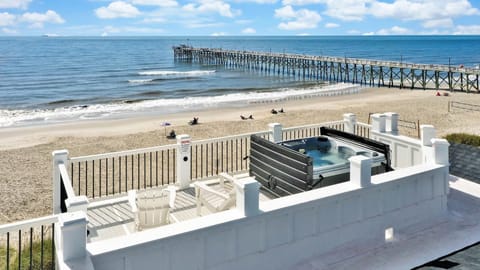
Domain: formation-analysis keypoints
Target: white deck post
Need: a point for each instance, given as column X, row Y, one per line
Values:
column 275, row 132
column 427, row 133
column 247, row 196
column 77, row 203
column 391, row 122
column 59, row 157
column 360, row 170
column 440, row 151
column 73, row 235
column 183, row 160
column 350, row 122
column 378, row 122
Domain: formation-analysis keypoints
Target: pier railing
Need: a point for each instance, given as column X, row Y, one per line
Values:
column 338, row 69
column 28, row 244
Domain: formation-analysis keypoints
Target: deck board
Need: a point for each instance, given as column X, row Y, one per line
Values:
column 115, row 218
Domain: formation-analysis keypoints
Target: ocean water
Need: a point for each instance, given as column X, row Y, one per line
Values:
column 44, row 80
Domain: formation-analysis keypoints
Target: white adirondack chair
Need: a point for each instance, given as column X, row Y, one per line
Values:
column 151, row 208
column 216, row 197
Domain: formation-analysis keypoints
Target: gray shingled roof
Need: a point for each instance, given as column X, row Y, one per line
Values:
column 464, row 259
column 465, row 161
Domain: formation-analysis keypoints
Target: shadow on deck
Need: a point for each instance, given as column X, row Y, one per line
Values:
column 113, row 217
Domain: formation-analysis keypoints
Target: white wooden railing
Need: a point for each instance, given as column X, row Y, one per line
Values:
column 117, row 172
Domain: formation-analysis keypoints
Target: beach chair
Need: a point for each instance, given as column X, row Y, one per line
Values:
column 151, row 208
column 216, row 197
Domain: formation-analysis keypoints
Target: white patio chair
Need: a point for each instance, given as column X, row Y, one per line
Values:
column 217, row 197
column 151, row 208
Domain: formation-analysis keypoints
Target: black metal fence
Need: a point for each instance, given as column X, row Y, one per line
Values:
column 114, row 173
column 229, row 154
column 28, row 246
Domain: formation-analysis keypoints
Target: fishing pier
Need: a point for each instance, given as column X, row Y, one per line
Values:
column 337, row 69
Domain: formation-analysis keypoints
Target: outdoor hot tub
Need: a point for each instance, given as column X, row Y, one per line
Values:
column 298, row 165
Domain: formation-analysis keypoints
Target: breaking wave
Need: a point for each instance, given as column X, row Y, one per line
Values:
column 168, row 105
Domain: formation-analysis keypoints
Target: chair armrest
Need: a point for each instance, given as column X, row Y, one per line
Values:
column 204, row 187
column 172, row 195
column 226, row 176
column 132, row 195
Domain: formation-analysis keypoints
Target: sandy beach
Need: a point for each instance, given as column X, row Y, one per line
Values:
column 25, row 152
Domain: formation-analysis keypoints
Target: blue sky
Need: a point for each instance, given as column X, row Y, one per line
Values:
column 238, row 17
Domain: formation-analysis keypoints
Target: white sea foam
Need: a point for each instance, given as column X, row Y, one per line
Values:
column 191, row 73
column 25, row 117
column 141, row 81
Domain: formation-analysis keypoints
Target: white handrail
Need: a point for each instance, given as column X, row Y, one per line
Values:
column 123, row 153
column 360, row 124
column 230, row 137
column 173, row 146
column 27, row 224
column 66, row 181
column 313, row 125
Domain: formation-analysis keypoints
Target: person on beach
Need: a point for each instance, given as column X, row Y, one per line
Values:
column 194, row 121
column 172, row 135
column 246, row 118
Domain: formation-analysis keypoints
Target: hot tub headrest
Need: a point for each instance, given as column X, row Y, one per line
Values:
column 322, row 139
column 319, row 143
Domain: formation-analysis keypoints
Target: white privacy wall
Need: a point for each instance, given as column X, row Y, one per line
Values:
column 405, row 151
column 287, row 230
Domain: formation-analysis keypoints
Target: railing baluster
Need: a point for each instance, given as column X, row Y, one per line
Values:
column 138, row 171
column 226, row 155
column 41, row 247
column 100, row 176
column 120, row 174
column 79, row 193
column 53, row 245
column 133, row 162
column 113, row 176
column 168, row 165
column 31, row 247
column 174, row 166
column 71, row 172
column 19, row 249
column 231, row 155
column 156, row 168
column 205, row 160
column 195, row 160
column 201, row 160
column 144, row 170
column 93, row 178
column 216, row 158
column 236, row 155
column 86, row 178
column 106, row 177
column 8, row 250
column 163, row 171
column 151, row 178
column 126, row 173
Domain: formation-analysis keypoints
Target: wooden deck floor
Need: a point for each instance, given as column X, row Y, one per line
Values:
column 112, row 218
